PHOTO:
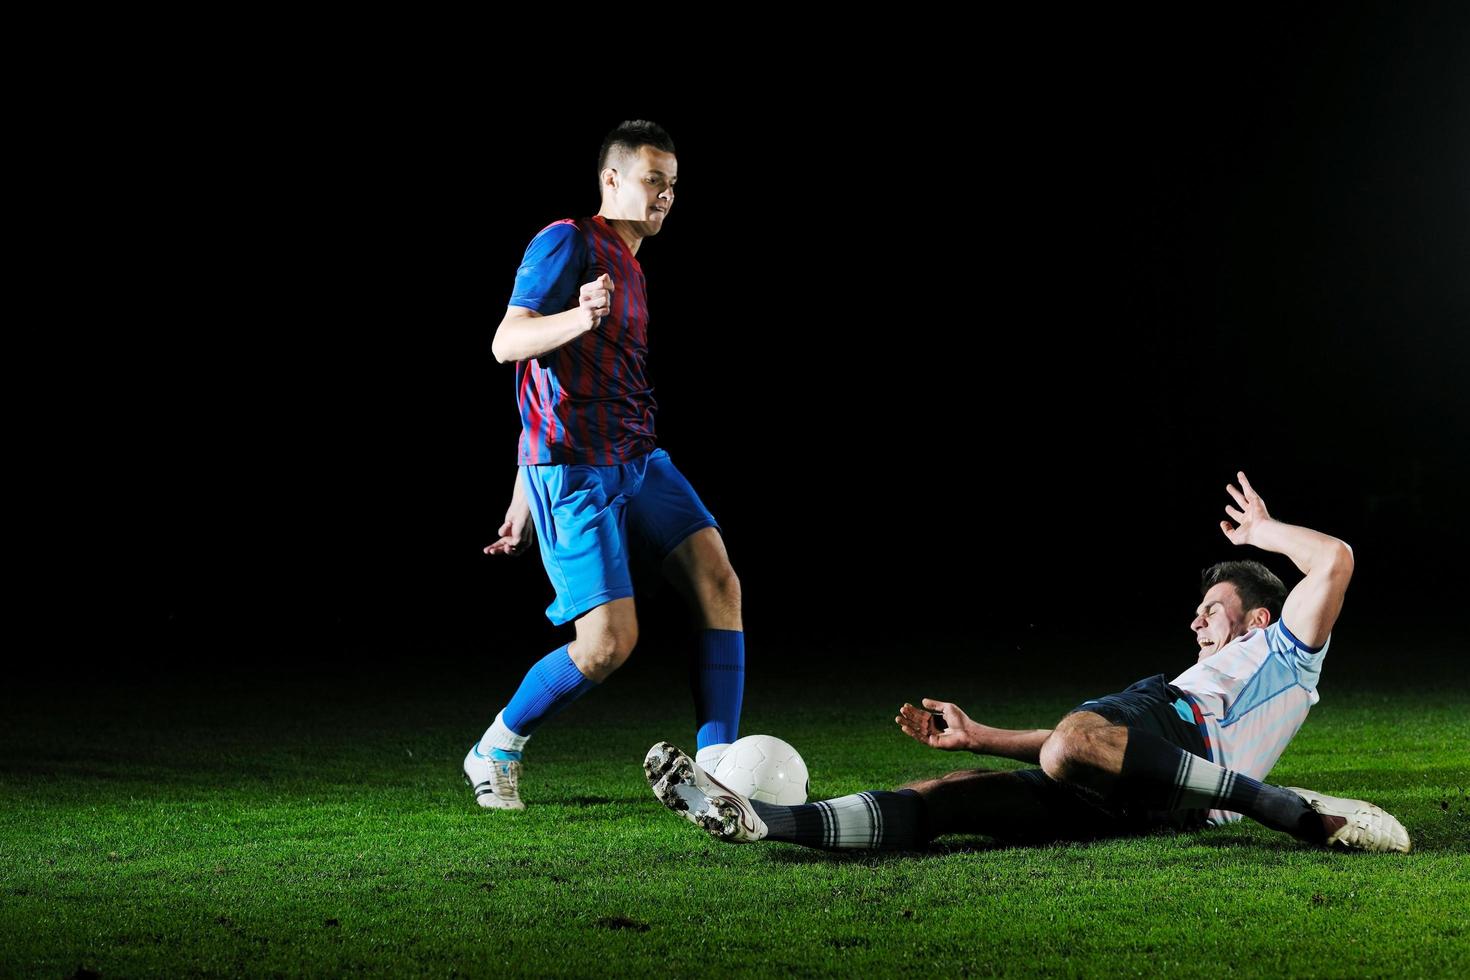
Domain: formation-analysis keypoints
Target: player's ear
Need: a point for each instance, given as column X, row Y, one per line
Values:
column 1258, row 618
column 609, row 178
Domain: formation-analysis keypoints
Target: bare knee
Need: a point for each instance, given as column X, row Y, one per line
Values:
column 602, row 653
column 1077, row 753
column 721, row 589
column 1058, row 755
column 603, row 645
column 714, row 597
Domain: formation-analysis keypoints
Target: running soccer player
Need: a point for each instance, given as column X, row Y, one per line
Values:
column 591, row 479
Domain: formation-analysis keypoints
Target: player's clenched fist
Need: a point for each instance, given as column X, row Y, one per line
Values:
column 596, row 299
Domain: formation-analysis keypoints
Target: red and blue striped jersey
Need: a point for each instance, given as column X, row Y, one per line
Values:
column 589, row 401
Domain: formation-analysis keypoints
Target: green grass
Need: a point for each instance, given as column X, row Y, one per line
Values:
column 311, row 826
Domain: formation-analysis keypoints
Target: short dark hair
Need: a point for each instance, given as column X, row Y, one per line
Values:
column 1257, row 585
column 628, row 136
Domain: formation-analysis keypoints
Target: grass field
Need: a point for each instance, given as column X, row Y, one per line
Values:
column 311, row 825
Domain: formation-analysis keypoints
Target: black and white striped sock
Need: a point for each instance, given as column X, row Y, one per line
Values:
column 1163, row 776
column 874, row 820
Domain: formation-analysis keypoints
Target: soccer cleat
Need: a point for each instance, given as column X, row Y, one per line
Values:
column 1356, row 825
column 496, row 783
column 703, row 800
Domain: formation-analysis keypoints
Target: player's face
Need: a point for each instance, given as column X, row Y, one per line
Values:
column 1220, row 618
column 645, row 189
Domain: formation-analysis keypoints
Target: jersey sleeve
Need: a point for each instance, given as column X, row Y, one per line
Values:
column 547, row 280
column 1307, row 660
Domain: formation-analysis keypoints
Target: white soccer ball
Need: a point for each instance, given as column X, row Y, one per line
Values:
column 764, row 768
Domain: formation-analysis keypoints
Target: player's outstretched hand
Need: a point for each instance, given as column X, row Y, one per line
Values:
column 596, row 298
column 918, row 724
column 516, row 535
column 1251, row 515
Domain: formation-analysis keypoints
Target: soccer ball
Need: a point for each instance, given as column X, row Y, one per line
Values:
column 764, row 768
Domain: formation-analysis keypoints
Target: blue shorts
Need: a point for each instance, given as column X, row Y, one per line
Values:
column 590, row 520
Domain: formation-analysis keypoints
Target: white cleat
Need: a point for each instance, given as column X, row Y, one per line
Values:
column 496, row 784
column 685, row 788
column 1356, row 825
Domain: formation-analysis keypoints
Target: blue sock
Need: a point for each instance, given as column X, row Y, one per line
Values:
column 552, row 683
column 718, row 680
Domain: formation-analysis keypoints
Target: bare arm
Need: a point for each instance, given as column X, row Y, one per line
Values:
column 517, row 533
column 523, row 333
column 1326, row 562
column 964, row 733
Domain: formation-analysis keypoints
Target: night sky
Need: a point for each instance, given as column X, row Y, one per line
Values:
column 956, row 355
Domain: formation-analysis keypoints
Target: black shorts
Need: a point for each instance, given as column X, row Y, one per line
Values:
column 1152, row 705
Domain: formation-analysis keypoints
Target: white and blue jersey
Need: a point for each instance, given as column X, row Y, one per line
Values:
column 1251, row 698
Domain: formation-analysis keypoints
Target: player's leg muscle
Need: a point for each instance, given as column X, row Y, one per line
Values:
column 1085, row 749
column 700, row 569
column 606, row 637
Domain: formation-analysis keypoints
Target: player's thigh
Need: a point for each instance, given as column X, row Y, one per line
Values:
column 580, row 514
column 699, row 558
column 1151, row 705
column 666, row 510
column 1080, row 719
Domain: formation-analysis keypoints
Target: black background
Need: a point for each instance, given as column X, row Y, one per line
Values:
column 960, row 343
